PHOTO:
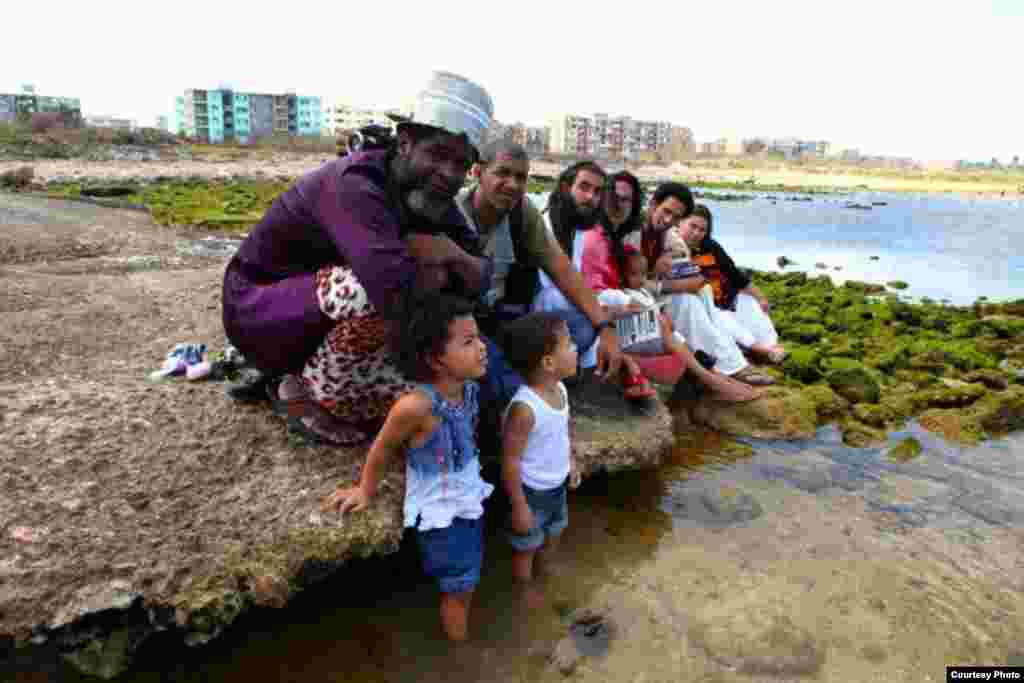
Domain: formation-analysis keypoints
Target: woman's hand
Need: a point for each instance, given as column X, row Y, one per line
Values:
column 344, row 500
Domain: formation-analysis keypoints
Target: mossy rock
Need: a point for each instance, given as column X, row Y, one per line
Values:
column 952, row 425
column 897, row 284
column 961, row 354
column 951, row 396
column 808, row 314
column 905, row 313
column 852, row 381
column 806, row 334
column 889, row 361
column 864, row 287
column 916, row 377
column 827, row 403
column 803, row 364
column 1002, row 413
column 993, row 379
column 877, row 416
column 860, row 435
column 933, row 362
column 845, row 346
column 901, row 406
column 905, row 450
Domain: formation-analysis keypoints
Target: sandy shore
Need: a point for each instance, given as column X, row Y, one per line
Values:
column 258, row 163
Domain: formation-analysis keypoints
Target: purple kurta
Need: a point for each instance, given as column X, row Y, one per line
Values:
column 339, row 214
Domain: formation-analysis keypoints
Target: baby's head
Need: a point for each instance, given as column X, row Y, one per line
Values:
column 675, row 245
column 439, row 337
column 634, row 268
column 538, row 346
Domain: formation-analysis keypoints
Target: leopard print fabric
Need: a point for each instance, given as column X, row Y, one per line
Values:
column 351, row 374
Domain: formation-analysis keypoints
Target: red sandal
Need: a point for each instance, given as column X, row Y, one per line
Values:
column 635, row 387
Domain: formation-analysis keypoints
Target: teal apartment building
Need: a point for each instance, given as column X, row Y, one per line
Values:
column 217, row 116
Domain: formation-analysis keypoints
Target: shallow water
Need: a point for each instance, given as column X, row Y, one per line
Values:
column 669, row 553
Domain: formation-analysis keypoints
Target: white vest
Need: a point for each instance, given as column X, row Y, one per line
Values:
column 545, row 461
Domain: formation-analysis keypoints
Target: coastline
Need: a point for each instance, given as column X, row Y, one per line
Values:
column 165, row 489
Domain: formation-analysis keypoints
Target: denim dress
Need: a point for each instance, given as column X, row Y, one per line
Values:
column 442, row 477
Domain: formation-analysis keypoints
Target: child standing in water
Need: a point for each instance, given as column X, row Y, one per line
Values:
column 537, row 462
column 434, row 426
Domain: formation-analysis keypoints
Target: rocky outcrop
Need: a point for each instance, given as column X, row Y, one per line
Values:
column 782, row 413
column 257, row 542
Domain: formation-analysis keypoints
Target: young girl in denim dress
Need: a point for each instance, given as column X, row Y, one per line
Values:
column 434, row 426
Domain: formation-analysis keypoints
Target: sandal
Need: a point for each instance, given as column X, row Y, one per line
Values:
column 295, row 407
column 344, row 436
column 636, row 387
column 754, row 378
column 300, row 407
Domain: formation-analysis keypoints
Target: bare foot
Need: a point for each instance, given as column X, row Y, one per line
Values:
column 773, row 355
column 733, row 391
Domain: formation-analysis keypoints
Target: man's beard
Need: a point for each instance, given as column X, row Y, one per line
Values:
column 572, row 214
column 412, row 187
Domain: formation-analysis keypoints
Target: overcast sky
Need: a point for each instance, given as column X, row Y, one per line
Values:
column 932, row 79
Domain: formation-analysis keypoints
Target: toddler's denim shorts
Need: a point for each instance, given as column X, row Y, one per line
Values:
column 550, row 510
column 453, row 555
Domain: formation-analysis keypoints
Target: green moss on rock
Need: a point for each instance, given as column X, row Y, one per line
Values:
column 852, row 381
column 874, row 415
column 905, row 450
column 827, row 403
column 803, row 364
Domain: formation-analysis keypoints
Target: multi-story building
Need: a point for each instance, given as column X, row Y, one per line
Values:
column 796, row 148
column 571, row 134
column 110, row 122
column 607, row 136
column 29, row 103
column 228, row 115
column 309, row 119
column 7, row 110
column 341, row 116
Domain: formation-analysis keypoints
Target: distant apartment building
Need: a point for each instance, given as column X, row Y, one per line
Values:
column 722, row 147
column 605, row 136
column 227, row 115
column 110, row 122
column 796, row 148
column 28, row 103
column 339, row 116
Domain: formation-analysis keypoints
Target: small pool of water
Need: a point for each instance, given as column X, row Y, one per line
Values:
column 379, row 622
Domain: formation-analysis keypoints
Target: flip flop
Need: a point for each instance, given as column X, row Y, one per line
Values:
column 351, row 437
column 637, row 387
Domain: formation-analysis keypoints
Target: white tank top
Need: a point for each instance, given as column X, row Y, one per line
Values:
column 545, row 461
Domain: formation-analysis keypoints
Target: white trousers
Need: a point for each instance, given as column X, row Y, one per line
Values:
column 748, row 324
column 695, row 317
